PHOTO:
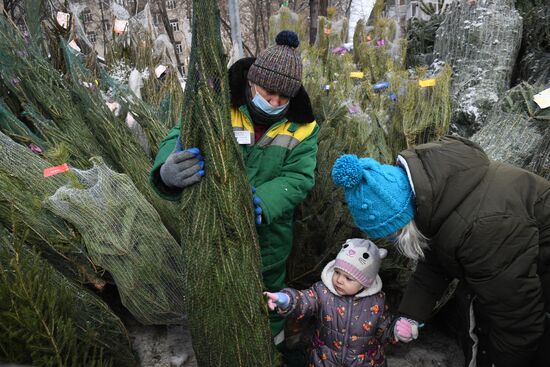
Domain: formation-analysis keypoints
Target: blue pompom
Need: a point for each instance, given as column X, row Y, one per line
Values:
column 287, row 38
column 347, row 171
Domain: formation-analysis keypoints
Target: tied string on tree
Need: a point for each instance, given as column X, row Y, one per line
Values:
column 228, row 317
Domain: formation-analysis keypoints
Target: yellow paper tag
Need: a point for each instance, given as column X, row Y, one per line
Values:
column 543, row 99
column 357, row 74
column 328, row 30
column 427, row 83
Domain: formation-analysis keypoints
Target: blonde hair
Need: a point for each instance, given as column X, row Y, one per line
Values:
column 411, row 242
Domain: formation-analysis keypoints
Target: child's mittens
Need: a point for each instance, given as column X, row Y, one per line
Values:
column 405, row 330
column 278, row 299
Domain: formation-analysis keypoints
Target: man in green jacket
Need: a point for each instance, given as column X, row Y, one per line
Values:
column 463, row 216
column 273, row 123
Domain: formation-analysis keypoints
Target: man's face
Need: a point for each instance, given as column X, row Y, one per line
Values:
column 274, row 99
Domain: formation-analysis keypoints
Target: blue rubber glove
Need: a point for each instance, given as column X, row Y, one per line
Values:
column 182, row 167
column 257, row 209
column 278, row 299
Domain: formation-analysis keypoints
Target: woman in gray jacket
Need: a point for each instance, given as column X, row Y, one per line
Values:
column 463, row 216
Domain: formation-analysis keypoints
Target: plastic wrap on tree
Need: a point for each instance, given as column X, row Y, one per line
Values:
column 517, row 131
column 125, row 236
column 481, row 40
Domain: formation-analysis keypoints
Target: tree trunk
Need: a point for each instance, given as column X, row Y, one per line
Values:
column 235, row 21
column 313, row 15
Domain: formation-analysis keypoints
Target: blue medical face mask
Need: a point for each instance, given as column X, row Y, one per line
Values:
column 265, row 106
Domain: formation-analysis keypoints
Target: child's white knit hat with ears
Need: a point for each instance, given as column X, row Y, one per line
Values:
column 361, row 259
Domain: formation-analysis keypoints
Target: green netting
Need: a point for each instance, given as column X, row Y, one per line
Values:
column 124, row 234
column 117, row 139
column 221, row 252
column 22, row 191
column 331, row 33
column 358, row 116
column 45, row 96
column 47, row 320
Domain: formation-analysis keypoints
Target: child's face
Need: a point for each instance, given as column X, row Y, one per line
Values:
column 345, row 284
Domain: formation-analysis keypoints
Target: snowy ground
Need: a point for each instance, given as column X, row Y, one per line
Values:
column 161, row 346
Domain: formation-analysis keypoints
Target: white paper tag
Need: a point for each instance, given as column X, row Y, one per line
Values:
column 63, row 19
column 543, row 99
column 120, row 26
column 243, row 137
column 74, row 45
column 159, row 70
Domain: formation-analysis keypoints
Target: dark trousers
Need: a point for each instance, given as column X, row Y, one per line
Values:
column 457, row 319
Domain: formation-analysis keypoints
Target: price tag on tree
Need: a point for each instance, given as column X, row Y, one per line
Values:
column 427, row 83
column 56, row 169
column 542, row 99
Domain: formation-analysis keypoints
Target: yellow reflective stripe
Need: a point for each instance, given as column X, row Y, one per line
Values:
column 302, row 133
column 238, row 120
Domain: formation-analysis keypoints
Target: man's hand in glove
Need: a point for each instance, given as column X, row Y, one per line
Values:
column 182, row 168
column 257, row 208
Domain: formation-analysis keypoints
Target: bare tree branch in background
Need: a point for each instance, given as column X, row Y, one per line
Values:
column 103, row 26
column 162, row 8
column 227, row 28
column 14, row 10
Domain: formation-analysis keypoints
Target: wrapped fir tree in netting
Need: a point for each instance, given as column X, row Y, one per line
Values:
column 518, row 131
column 48, row 320
column 331, row 34
column 118, row 141
column 289, row 20
column 359, row 116
column 227, row 314
column 70, row 115
column 421, row 40
column 45, row 97
column 125, row 236
column 379, row 48
column 23, row 189
column 534, row 58
column 480, row 40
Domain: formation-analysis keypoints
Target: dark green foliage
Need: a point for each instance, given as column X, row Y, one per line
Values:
column 227, row 313
column 421, row 37
column 44, row 318
column 534, row 56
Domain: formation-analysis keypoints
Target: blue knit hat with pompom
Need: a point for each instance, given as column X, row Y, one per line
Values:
column 379, row 196
column 278, row 68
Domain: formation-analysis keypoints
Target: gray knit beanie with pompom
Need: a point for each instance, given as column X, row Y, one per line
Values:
column 279, row 67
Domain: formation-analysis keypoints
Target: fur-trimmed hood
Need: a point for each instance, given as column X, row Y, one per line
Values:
column 299, row 110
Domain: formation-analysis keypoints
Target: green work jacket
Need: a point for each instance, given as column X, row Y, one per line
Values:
column 280, row 166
